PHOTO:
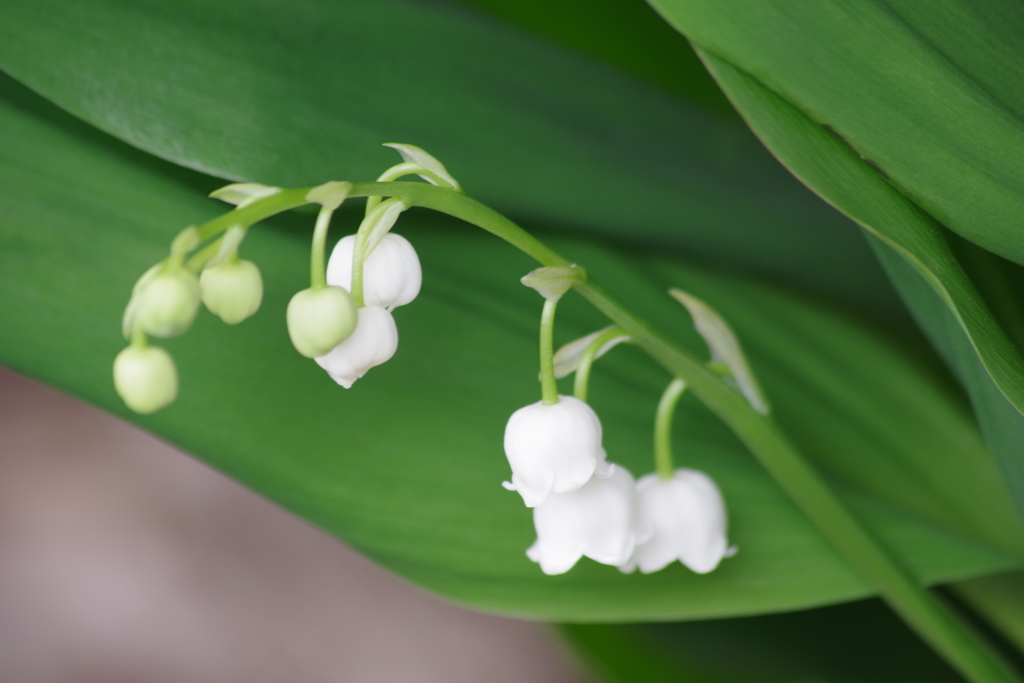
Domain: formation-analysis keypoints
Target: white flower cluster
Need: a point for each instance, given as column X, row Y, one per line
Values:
column 585, row 506
column 391, row 277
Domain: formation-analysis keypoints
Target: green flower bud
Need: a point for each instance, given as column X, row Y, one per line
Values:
column 320, row 319
column 167, row 304
column 232, row 291
column 145, row 378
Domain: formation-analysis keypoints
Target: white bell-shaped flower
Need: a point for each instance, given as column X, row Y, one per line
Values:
column 598, row 520
column 682, row 518
column 553, row 449
column 373, row 342
column 391, row 273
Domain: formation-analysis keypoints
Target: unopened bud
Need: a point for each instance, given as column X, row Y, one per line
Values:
column 145, row 378
column 232, row 291
column 320, row 319
column 167, row 304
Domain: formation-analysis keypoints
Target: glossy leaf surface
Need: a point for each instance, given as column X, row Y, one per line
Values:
column 294, row 93
column 926, row 93
column 407, row 465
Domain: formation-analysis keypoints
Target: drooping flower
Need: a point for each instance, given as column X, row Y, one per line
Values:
column 373, row 342
column 597, row 520
column 682, row 518
column 391, row 273
column 320, row 319
column 553, row 449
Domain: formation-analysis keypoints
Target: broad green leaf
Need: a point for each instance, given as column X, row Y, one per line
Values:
column 927, row 93
column 851, row 643
column 296, row 92
column 407, row 465
column 625, row 33
column 826, row 164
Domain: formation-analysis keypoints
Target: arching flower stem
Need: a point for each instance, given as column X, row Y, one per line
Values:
column 663, row 429
column 582, row 382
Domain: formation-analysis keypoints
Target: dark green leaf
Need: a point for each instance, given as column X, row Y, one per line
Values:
column 625, row 33
column 845, row 644
column 295, row 92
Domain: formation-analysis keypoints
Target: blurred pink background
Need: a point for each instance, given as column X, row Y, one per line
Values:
column 124, row 560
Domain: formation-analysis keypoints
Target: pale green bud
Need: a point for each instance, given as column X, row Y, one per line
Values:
column 320, row 319
column 232, row 291
column 145, row 378
column 167, row 304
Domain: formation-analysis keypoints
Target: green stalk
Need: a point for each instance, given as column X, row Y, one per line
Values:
column 255, row 212
column 923, row 611
column 548, row 388
column 663, row 429
column 317, row 269
column 587, row 358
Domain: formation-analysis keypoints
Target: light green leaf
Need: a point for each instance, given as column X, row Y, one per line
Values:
column 407, row 465
column 297, row 92
column 926, row 93
column 823, row 162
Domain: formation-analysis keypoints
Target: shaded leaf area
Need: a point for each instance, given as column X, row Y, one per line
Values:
column 625, row 33
column 862, row 641
column 1000, row 599
column 928, row 94
column 297, row 92
column 916, row 252
column 406, row 466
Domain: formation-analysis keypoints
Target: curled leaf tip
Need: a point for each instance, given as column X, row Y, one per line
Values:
column 244, row 194
column 725, row 348
column 567, row 358
column 554, row 281
column 436, row 173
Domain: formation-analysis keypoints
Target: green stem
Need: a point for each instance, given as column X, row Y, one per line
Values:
column 139, row 340
column 392, row 174
column 201, row 257
column 548, row 387
column 317, row 270
column 663, row 429
column 587, row 358
column 255, row 212
column 359, row 250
